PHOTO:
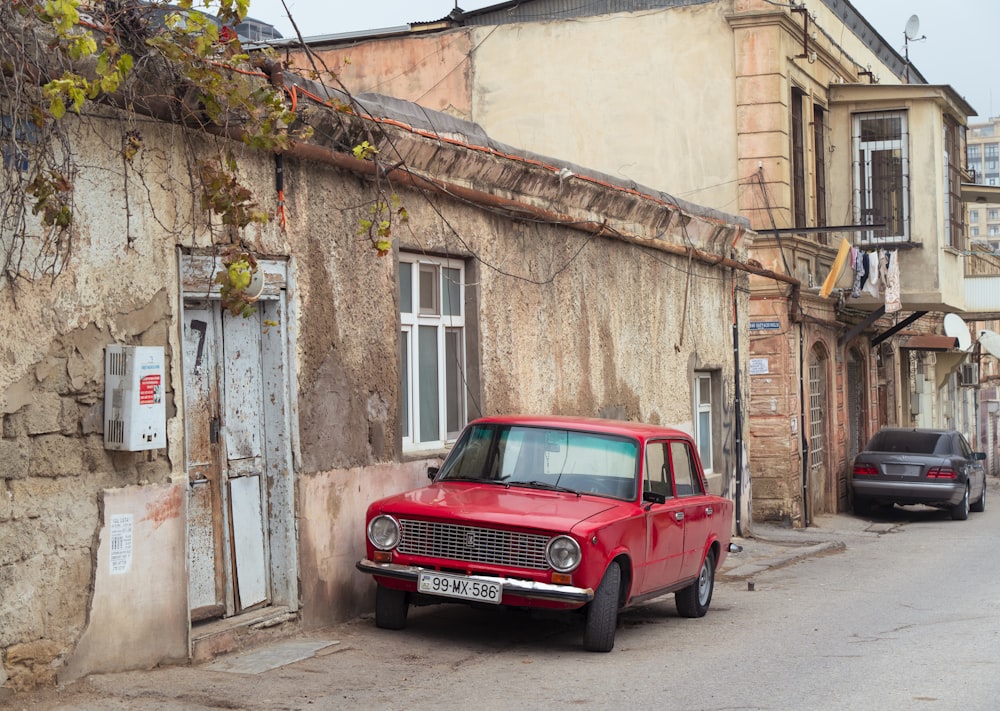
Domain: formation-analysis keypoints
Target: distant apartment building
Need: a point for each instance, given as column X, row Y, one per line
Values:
column 983, row 150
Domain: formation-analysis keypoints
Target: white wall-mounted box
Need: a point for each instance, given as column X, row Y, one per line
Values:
column 135, row 416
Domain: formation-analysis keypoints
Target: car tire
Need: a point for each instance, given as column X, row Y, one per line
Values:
column 960, row 511
column 693, row 601
column 391, row 607
column 979, row 505
column 861, row 506
column 602, row 613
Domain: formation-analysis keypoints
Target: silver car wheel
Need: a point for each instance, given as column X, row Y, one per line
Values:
column 705, row 583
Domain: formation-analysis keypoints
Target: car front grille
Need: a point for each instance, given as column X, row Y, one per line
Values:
column 473, row 544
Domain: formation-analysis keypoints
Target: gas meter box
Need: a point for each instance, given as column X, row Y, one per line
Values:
column 135, row 417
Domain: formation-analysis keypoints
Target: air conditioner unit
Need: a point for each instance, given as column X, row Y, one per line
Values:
column 968, row 375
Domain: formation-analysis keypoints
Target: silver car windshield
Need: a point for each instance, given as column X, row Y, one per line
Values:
column 544, row 457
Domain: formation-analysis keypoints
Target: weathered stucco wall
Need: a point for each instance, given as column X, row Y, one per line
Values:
column 60, row 614
column 562, row 321
column 670, row 128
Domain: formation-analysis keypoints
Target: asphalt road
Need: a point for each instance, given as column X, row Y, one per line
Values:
column 905, row 616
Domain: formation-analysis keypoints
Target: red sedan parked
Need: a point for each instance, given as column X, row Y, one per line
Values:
column 554, row 512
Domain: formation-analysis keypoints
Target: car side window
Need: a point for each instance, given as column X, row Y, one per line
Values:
column 964, row 446
column 685, row 476
column 657, row 473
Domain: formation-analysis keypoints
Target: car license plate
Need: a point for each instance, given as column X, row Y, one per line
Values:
column 460, row 586
column 903, row 469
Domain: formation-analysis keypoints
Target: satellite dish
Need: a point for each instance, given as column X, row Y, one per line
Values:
column 990, row 342
column 955, row 327
column 912, row 28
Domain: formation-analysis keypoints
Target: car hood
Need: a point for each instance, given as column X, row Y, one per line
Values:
column 496, row 505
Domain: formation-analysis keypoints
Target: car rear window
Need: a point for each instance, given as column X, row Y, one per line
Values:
column 908, row 441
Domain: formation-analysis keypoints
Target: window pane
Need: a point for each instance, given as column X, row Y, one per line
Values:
column 454, row 387
column 704, row 390
column 404, row 384
column 452, row 292
column 684, row 477
column 705, row 439
column 430, row 428
column 405, row 287
column 429, row 289
column 883, row 128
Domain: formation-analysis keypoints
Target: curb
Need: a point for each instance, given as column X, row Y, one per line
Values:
column 794, row 555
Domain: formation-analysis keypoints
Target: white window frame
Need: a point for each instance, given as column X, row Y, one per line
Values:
column 705, row 453
column 863, row 172
column 444, row 324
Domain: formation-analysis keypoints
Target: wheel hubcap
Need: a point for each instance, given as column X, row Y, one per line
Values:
column 704, row 583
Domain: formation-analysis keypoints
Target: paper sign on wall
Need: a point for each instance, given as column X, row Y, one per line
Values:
column 121, row 544
column 759, row 366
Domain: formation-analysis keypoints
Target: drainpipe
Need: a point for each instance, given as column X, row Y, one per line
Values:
column 739, row 412
column 802, row 429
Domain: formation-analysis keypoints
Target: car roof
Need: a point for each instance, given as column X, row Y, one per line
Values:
column 590, row 424
column 926, row 430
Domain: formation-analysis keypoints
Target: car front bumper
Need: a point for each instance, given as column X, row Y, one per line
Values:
column 527, row 589
column 946, row 493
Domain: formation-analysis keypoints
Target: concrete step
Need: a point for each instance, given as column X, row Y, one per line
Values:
column 234, row 634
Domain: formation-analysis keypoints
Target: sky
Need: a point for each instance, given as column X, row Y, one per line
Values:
column 962, row 45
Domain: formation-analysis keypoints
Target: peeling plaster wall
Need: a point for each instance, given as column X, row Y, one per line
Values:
column 60, row 613
column 332, row 536
column 566, row 324
column 139, row 610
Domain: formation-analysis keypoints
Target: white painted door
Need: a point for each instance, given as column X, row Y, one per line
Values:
column 224, row 410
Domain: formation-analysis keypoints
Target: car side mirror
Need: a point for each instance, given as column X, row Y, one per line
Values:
column 653, row 497
column 432, row 472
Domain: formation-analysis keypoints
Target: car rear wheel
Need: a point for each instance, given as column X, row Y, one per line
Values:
column 391, row 607
column 861, row 506
column 602, row 613
column 960, row 511
column 979, row 505
column 693, row 601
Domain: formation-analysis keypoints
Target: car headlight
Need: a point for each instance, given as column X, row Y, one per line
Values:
column 563, row 554
column 383, row 532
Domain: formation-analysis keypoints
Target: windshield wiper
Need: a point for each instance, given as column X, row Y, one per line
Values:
column 476, row 479
column 535, row 484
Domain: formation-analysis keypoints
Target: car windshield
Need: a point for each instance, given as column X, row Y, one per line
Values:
column 909, row 441
column 545, row 457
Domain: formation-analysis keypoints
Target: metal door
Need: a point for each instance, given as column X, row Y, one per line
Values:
column 228, row 546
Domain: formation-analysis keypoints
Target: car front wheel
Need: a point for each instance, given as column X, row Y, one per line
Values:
column 391, row 607
column 602, row 613
column 693, row 601
column 960, row 511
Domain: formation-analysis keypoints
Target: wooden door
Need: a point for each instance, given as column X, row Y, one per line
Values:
column 224, row 409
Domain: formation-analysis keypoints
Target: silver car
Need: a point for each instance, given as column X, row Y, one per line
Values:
column 919, row 466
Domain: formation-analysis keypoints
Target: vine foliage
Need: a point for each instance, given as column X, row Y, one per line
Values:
column 63, row 62
column 63, row 59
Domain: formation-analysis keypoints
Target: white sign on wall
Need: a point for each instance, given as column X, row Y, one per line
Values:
column 121, row 544
column 759, row 366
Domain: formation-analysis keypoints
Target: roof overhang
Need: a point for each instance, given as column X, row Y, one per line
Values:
column 929, row 342
column 976, row 193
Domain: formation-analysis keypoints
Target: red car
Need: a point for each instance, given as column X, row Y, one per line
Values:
column 553, row 512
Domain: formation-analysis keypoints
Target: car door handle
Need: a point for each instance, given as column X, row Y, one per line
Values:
column 679, row 515
column 709, row 510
